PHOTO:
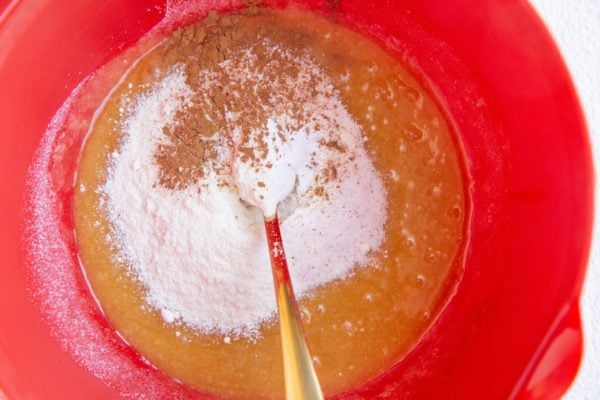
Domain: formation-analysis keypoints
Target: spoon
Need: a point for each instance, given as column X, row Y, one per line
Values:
column 301, row 382
column 265, row 184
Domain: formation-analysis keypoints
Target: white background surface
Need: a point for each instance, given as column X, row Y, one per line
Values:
column 575, row 25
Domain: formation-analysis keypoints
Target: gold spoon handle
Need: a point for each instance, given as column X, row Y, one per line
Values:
column 301, row 382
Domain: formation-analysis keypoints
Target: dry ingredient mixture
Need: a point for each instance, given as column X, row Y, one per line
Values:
column 273, row 107
column 239, row 119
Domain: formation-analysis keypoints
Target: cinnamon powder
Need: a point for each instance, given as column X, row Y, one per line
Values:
column 226, row 105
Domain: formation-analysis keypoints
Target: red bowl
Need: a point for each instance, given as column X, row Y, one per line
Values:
column 511, row 331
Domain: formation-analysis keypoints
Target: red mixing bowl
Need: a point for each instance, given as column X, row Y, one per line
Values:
column 512, row 331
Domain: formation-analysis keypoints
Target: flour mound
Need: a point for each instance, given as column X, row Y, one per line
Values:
column 202, row 253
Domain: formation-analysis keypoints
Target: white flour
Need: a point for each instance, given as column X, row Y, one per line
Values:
column 202, row 253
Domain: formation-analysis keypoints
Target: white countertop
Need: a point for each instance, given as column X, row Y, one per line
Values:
column 575, row 25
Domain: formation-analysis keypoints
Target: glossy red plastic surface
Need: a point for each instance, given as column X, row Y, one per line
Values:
column 511, row 331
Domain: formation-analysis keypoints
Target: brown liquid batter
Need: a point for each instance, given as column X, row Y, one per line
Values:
column 356, row 327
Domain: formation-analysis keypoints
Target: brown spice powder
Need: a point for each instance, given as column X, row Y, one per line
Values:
column 212, row 48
